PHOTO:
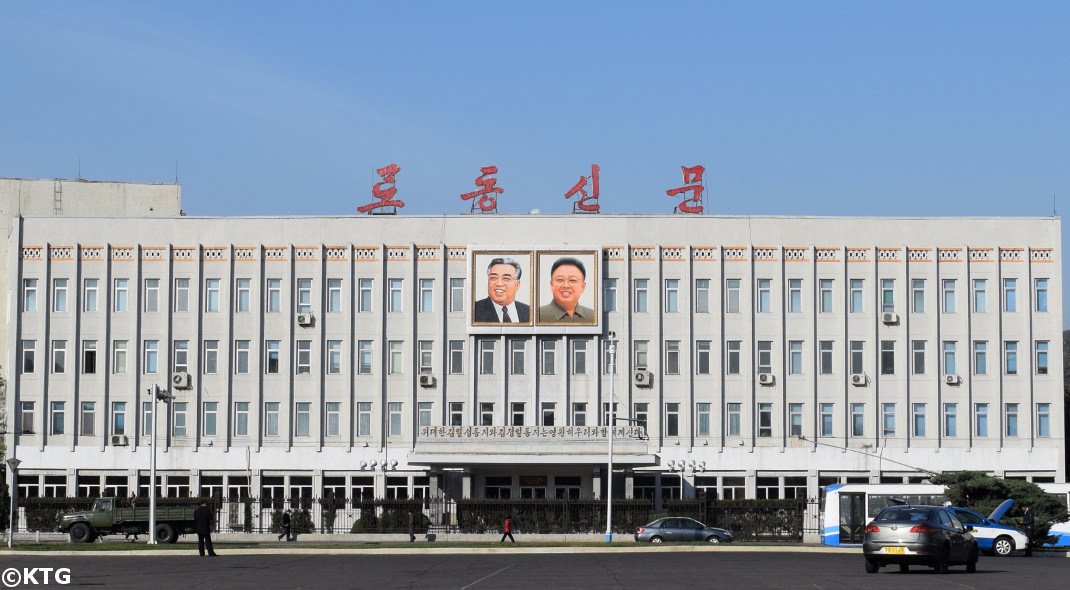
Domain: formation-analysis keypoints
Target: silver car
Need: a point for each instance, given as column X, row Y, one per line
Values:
column 919, row 535
column 677, row 528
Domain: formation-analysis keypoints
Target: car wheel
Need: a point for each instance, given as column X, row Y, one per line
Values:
column 713, row 539
column 655, row 539
column 872, row 566
column 971, row 563
column 165, row 533
column 942, row 562
column 904, row 567
column 81, row 533
column 1003, row 546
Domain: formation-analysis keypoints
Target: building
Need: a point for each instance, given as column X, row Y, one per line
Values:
column 756, row 356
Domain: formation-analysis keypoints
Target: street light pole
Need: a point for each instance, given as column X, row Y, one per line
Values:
column 13, row 466
column 157, row 395
column 612, row 422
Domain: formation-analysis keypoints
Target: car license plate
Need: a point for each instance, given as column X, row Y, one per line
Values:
column 895, row 550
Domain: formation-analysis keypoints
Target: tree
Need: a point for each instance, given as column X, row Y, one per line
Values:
column 983, row 493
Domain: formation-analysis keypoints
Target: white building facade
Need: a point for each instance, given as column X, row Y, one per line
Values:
column 755, row 356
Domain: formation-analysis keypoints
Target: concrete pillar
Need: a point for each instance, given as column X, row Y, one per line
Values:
column 466, row 484
column 629, row 484
column 596, row 484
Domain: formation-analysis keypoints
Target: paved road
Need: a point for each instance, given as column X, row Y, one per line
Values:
column 530, row 570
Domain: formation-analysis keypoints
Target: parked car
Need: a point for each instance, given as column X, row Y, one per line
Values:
column 676, row 528
column 919, row 535
column 993, row 537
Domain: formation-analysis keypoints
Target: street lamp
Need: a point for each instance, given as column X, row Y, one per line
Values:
column 612, row 422
column 13, row 466
column 157, row 395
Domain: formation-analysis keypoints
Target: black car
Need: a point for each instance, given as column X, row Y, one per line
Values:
column 919, row 535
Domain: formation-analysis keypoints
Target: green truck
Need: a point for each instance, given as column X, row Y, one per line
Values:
column 116, row 516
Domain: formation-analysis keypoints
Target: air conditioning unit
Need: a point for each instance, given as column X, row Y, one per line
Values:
column 952, row 379
column 119, row 440
column 427, row 380
column 766, row 378
column 890, row 317
column 643, row 378
column 180, row 380
column 304, row 319
column 858, row 379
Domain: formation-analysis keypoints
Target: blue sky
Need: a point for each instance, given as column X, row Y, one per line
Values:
column 795, row 108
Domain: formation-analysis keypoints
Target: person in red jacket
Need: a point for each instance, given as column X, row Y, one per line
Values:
column 507, row 529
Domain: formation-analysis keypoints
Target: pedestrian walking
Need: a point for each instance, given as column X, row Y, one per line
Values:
column 286, row 524
column 1028, row 525
column 412, row 528
column 133, row 532
column 202, row 523
column 507, row 529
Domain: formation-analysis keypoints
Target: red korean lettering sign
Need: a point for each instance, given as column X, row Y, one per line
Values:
column 384, row 190
column 587, row 202
column 487, row 191
column 692, row 183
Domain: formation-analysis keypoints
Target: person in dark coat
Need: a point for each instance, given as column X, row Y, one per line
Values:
column 202, row 521
column 1028, row 526
column 286, row 523
column 412, row 528
column 507, row 529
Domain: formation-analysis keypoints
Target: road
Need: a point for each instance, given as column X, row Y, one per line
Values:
column 657, row 570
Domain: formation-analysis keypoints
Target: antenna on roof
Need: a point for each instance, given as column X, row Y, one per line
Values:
column 176, row 171
column 79, row 168
column 1053, row 212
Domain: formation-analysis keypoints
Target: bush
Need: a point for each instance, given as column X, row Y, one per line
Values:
column 983, row 493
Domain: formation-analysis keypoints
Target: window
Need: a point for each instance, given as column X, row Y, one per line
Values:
column 334, row 417
column 1044, row 420
column 672, row 295
column 424, row 356
column 887, row 295
column 241, row 357
column 334, row 357
column 765, row 357
column 211, row 357
column 456, row 354
column 364, row 418
column 211, row 411
column 765, row 420
column 516, row 356
column 118, row 356
column 980, row 357
column 826, row 419
column 764, row 301
column 949, row 295
column 549, row 354
column 949, row 357
column 887, row 357
column 152, row 355
column 1011, row 420
column 919, row 420
column 427, row 295
column 28, row 353
column 703, row 426
column 517, row 413
column 394, row 346
column 917, row 286
column 825, row 289
column 242, row 290
column 89, row 292
column 548, row 413
column 641, row 295
column 457, row 295
column 672, row 419
column 731, row 299
column 825, row 350
column 980, row 295
column 26, row 418
column 456, row 413
column 672, row 357
column 951, row 420
column 271, row 419
column 59, row 294
column 609, row 294
column 118, row 418
column 181, row 295
column 888, row 419
column 146, row 418
column 1042, row 357
column 486, row 356
column 858, row 357
column 702, row 296
column 304, row 295
column 795, row 357
column 89, row 357
column 274, row 295
column 29, row 294
column 918, row 355
column 122, row 289
column 58, row 422
column 1010, row 295
column 302, row 415
column 640, row 350
column 271, row 356
column 735, row 411
column 639, row 413
column 395, row 286
column 1041, row 290
column 732, row 354
column 703, row 350
column 1010, row 357
column 364, row 357
column 364, row 299
column 981, row 417
column 59, row 356
column 88, row 419
column 856, row 295
column 241, row 418
column 795, row 419
column 579, row 357
column 858, row 422
column 211, row 295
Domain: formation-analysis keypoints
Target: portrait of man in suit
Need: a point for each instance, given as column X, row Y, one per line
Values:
column 500, row 305
column 568, row 281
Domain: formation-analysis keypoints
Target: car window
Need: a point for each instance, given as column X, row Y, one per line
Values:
column 690, row 524
column 955, row 522
column 967, row 517
column 945, row 518
column 903, row 514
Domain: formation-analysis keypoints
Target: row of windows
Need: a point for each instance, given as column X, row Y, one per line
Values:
column 487, row 357
column 733, row 418
column 763, row 303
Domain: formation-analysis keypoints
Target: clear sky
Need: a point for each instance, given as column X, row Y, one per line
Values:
column 795, row 108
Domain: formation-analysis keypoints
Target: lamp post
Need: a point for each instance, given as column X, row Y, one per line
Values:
column 612, row 422
column 157, row 395
column 13, row 466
